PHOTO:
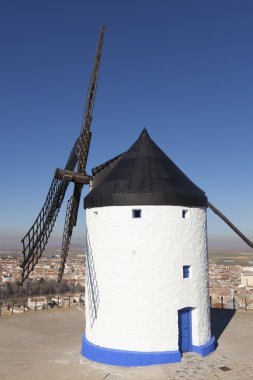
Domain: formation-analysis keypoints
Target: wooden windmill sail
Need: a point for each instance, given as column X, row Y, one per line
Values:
column 34, row 242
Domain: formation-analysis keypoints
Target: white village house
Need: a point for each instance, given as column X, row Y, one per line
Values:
column 37, row 303
column 247, row 277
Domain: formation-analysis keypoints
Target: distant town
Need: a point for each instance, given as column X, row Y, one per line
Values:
column 231, row 280
column 43, row 279
column 230, row 276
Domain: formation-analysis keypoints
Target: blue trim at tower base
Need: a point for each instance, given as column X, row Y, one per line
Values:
column 137, row 358
column 127, row 358
column 205, row 349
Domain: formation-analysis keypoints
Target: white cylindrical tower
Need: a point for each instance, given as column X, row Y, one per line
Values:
column 147, row 297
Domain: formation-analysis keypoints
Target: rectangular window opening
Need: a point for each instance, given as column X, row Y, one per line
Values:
column 136, row 213
column 185, row 214
column 186, row 271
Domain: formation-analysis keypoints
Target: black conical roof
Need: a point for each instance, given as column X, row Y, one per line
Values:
column 144, row 175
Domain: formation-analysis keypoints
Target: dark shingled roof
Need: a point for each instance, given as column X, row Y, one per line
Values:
column 144, row 175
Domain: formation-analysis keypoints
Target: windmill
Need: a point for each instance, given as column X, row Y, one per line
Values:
column 147, row 299
column 139, row 198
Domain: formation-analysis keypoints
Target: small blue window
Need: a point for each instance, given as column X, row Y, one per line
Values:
column 136, row 214
column 186, row 271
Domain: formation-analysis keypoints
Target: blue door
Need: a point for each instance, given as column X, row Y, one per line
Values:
column 185, row 329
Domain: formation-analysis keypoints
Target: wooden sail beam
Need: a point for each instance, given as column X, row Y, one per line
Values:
column 80, row 178
column 231, row 225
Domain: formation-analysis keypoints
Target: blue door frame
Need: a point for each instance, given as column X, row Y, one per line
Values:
column 185, row 330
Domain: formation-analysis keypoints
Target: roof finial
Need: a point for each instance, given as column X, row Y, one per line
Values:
column 144, row 132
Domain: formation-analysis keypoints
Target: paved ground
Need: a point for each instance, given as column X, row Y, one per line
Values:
column 46, row 345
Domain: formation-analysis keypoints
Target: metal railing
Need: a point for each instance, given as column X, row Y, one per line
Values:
column 231, row 303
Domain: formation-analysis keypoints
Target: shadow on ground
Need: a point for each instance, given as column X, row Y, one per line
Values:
column 220, row 319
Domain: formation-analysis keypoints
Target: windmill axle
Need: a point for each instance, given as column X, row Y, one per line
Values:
column 77, row 178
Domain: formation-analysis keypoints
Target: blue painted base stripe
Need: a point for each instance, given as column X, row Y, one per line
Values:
column 127, row 358
column 205, row 349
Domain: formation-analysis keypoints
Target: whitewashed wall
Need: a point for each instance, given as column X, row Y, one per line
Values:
column 138, row 267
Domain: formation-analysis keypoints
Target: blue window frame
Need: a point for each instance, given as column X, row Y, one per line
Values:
column 186, row 271
column 136, row 213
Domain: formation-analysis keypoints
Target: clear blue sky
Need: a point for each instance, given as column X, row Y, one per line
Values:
column 182, row 69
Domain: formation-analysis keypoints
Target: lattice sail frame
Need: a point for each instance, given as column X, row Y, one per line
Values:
column 34, row 242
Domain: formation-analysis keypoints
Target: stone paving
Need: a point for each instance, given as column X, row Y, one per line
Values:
column 46, row 345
